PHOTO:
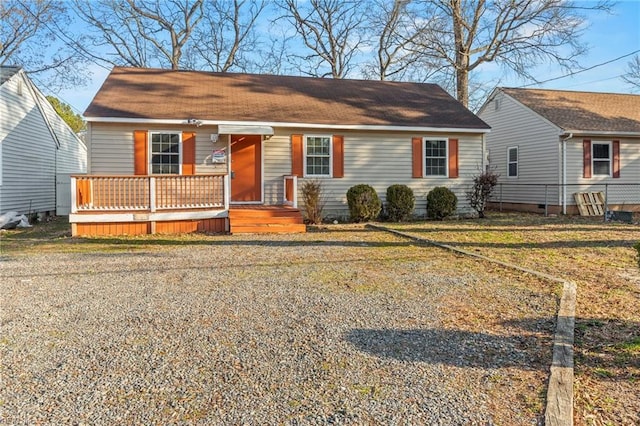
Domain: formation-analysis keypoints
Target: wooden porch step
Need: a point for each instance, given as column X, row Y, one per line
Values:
column 265, row 219
column 268, row 229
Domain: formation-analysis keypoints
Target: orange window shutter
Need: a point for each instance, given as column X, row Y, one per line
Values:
column 140, row 152
column 297, row 156
column 416, row 157
column 616, row 159
column 586, row 158
column 188, row 153
column 338, row 156
column 453, row 158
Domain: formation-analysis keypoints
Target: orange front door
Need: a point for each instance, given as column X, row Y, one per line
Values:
column 246, row 168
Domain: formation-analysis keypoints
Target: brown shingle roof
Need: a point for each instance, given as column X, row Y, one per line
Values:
column 583, row 111
column 166, row 94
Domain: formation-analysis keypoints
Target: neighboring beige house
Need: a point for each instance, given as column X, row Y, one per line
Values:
column 572, row 141
column 38, row 151
column 205, row 150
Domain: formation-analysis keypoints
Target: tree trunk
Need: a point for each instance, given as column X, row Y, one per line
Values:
column 462, row 85
column 462, row 53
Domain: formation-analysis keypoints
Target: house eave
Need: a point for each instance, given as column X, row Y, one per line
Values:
column 567, row 132
column 287, row 124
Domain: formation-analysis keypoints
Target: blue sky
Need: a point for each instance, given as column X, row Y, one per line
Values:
column 609, row 36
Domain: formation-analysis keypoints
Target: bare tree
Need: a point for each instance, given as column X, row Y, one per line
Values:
column 517, row 34
column 393, row 31
column 332, row 30
column 141, row 33
column 227, row 34
column 28, row 39
column 632, row 77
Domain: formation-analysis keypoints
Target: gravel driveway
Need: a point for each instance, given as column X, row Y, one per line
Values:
column 345, row 327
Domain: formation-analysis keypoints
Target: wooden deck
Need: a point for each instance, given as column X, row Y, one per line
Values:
column 258, row 219
column 134, row 205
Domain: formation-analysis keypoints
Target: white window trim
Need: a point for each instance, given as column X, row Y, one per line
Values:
column 150, row 149
column 330, row 175
column 517, row 162
column 424, row 158
column 593, row 169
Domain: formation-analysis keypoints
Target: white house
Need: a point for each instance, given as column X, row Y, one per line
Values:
column 37, row 149
column 186, row 150
column 569, row 141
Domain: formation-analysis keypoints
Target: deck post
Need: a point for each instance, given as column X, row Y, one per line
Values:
column 227, row 194
column 152, row 194
column 295, row 191
column 74, row 201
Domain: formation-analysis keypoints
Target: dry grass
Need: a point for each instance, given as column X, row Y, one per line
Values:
column 597, row 256
column 600, row 259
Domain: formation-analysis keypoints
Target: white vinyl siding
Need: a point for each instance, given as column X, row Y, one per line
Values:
column 30, row 159
column 538, row 150
column 376, row 158
column 111, row 147
column 379, row 159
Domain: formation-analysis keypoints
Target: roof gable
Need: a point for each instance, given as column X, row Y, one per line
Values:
column 179, row 95
column 7, row 72
column 583, row 111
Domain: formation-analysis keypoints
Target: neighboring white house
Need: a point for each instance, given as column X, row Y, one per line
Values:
column 570, row 141
column 36, row 146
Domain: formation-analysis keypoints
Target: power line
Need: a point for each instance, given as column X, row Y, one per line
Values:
column 595, row 81
column 571, row 74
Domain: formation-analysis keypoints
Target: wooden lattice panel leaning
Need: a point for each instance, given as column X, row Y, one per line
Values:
column 590, row 203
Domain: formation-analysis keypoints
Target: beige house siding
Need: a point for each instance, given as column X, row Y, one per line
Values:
column 111, row 147
column 629, row 171
column 539, row 150
column 376, row 158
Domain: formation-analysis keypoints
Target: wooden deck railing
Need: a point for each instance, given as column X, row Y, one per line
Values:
column 148, row 193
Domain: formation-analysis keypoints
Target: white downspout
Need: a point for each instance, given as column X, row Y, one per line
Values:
column 564, row 173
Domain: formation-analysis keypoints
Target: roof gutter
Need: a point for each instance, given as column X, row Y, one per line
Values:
column 190, row 121
column 564, row 172
column 597, row 133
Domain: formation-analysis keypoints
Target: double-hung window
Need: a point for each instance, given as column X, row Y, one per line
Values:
column 601, row 158
column 512, row 161
column 318, row 156
column 435, row 157
column 165, row 153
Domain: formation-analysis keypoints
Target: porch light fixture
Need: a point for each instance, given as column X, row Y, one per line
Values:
column 214, row 137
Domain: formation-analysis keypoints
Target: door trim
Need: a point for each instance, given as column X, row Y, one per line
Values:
column 261, row 201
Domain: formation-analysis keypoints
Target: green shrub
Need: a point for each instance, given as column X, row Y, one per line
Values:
column 313, row 201
column 400, row 202
column 364, row 203
column 441, row 202
column 637, row 247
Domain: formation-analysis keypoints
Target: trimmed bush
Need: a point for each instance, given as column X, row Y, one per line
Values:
column 313, row 201
column 441, row 202
column 400, row 202
column 364, row 203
